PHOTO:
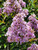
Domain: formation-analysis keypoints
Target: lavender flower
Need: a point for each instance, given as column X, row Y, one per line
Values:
column 11, row 6
column 33, row 47
column 19, row 30
column 33, row 22
column 25, row 11
column 22, row 3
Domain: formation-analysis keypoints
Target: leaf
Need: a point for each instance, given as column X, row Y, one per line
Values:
column 32, row 1
column 1, row 22
column 4, row 45
column 0, row 35
column 37, row 18
column 31, row 40
column 13, row 45
column 35, row 39
column 0, row 46
column 3, row 28
column 35, row 1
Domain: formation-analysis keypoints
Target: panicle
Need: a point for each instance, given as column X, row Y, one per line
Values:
column 19, row 31
column 11, row 6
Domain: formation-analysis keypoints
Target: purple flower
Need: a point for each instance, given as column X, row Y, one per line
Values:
column 22, row 3
column 11, row 6
column 33, row 22
column 33, row 47
column 19, row 31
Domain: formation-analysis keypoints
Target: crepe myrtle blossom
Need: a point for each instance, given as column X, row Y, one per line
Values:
column 25, row 11
column 22, row 3
column 33, row 47
column 19, row 31
column 11, row 6
column 33, row 22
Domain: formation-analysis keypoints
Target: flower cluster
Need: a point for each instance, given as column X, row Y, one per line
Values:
column 0, row 11
column 33, row 47
column 33, row 22
column 11, row 6
column 22, row 3
column 19, row 31
column 25, row 11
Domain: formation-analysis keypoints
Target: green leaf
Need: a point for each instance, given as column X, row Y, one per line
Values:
column 1, row 23
column 0, row 46
column 0, row 35
column 37, row 18
column 32, row 1
column 3, row 28
column 4, row 45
